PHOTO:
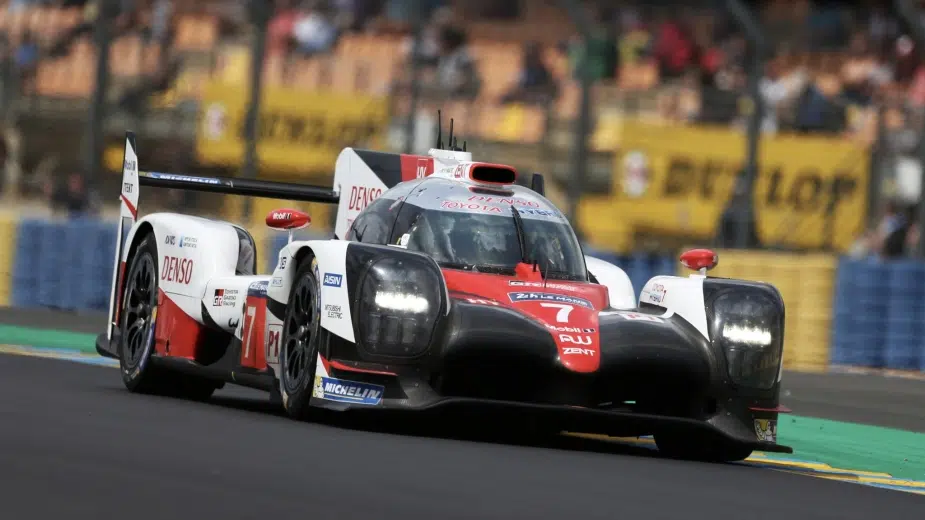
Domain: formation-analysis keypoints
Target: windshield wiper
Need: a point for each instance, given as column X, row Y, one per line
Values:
column 521, row 236
column 522, row 241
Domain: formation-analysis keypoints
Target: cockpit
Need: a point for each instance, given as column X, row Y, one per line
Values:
column 468, row 234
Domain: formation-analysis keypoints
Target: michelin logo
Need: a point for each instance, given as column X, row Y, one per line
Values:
column 548, row 297
column 182, row 178
column 347, row 391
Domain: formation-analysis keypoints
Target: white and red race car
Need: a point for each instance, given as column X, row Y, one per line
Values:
column 447, row 286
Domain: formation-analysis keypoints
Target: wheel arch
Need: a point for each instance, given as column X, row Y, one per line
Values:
column 143, row 230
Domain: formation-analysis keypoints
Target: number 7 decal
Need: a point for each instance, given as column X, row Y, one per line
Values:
column 249, row 327
column 564, row 310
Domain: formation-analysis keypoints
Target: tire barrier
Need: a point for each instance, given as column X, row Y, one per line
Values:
column 840, row 311
column 879, row 310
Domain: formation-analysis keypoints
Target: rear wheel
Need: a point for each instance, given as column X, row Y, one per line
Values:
column 679, row 446
column 301, row 337
column 139, row 316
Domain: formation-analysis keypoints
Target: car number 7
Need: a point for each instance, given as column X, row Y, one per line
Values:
column 564, row 310
column 249, row 326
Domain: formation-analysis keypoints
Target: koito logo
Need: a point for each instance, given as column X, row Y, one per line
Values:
column 177, row 270
column 361, row 196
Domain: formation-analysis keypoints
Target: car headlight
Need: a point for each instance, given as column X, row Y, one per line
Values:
column 400, row 301
column 749, row 325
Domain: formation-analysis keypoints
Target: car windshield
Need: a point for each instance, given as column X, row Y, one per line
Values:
column 489, row 243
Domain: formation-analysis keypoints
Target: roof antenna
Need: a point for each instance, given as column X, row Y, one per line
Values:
column 439, row 130
column 450, row 140
column 464, row 145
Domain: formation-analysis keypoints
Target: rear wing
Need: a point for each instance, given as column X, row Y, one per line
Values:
column 133, row 178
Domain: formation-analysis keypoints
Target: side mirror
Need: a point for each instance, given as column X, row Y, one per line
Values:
column 288, row 219
column 701, row 260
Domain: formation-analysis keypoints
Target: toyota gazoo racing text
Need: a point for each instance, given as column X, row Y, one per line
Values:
column 447, row 287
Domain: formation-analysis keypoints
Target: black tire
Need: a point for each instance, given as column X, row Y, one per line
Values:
column 138, row 318
column 678, row 446
column 301, row 338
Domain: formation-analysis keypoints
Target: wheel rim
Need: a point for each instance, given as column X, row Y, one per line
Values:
column 298, row 333
column 140, row 301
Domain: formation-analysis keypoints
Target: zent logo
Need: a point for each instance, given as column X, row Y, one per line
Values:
column 282, row 262
column 360, row 197
column 578, row 340
column 579, row 351
column 177, row 270
column 127, row 187
column 332, row 280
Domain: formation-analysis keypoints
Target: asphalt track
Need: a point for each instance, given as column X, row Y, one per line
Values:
column 880, row 401
column 76, row 444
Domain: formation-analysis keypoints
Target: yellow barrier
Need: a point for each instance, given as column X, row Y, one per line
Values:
column 299, row 131
column 806, row 283
column 7, row 251
column 678, row 180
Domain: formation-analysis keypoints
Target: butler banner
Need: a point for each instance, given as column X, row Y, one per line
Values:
column 811, row 191
column 299, row 131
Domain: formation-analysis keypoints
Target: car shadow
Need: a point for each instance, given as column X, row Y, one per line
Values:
column 438, row 428
column 434, row 426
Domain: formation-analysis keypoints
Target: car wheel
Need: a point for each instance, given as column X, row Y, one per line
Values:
column 139, row 312
column 679, row 446
column 139, row 318
column 301, row 337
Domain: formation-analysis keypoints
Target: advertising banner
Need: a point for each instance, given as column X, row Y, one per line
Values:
column 676, row 179
column 298, row 131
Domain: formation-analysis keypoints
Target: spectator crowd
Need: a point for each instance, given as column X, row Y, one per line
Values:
column 848, row 68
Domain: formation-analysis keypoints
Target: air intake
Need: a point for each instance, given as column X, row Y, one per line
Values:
column 491, row 174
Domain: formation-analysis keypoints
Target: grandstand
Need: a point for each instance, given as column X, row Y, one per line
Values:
column 840, row 73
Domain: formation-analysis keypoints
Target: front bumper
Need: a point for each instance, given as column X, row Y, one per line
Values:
column 615, row 423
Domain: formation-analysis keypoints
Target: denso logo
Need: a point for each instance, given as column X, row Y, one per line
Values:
column 177, row 270
column 361, row 196
column 578, row 330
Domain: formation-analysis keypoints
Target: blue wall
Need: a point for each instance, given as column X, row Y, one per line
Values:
column 879, row 307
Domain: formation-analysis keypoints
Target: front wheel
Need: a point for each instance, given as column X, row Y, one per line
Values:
column 301, row 337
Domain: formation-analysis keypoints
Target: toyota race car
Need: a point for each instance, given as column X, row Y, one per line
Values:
column 447, row 287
